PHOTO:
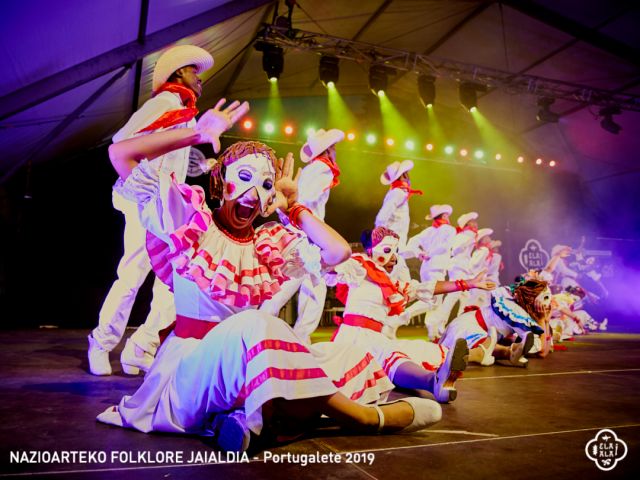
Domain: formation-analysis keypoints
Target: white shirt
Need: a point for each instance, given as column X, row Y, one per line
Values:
column 394, row 213
column 175, row 162
column 315, row 180
column 436, row 243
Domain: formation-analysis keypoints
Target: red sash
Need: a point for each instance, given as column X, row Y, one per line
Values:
column 401, row 184
column 335, row 170
column 438, row 222
column 175, row 117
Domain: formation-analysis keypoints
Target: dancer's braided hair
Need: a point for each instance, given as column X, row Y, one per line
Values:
column 525, row 295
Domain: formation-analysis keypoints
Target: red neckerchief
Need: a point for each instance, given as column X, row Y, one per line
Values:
column 490, row 257
column 335, row 170
column 403, row 185
column 468, row 228
column 438, row 222
column 175, row 117
column 378, row 276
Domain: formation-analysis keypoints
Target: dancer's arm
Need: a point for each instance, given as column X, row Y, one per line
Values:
column 126, row 155
column 334, row 249
column 478, row 282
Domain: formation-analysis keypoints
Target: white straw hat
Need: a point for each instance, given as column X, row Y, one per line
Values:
column 466, row 217
column 178, row 57
column 436, row 210
column 394, row 171
column 318, row 142
column 483, row 232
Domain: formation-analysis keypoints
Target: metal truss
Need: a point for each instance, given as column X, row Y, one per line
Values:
column 401, row 61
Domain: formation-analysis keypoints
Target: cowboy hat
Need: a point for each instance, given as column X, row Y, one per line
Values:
column 394, row 171
column 178, row 57
column 318, row 142
column 437, row 210
column 466, row 217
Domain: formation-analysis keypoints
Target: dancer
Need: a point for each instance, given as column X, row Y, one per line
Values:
column 223, row 353
column 316, row 181
column 372, row 298
column 176, row 87
column 484, row 259
column 522, row 310
column 433, row 247
column 394, row 213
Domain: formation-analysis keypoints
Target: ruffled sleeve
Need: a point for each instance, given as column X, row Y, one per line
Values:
column 349, row 272
column 165, row 207
column 421, row 291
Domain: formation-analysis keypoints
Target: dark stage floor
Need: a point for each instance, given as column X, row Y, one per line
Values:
column 506, row 423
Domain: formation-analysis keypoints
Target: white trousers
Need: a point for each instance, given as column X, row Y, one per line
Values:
column 310, row 304
column 132, row 270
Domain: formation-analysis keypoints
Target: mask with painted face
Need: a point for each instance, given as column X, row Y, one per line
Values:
column 251, row 171
column 383, row 251
column 543, row 300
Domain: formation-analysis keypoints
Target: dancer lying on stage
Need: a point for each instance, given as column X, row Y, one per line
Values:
column 522, row 310
column 226, row 368
column 372, row 298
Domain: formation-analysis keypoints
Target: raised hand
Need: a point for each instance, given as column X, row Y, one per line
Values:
column 286, row 185
column 479, row 282
column 216, row 121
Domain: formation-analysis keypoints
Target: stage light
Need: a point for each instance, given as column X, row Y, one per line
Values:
column 463, row 152
column 371, row 139
column 288, row 130
column 469, row 94
column 427, row 90
column 329, row 71
column 409, row 145
column 429, row 146
column 545, row 114
column 390, row 142
column 351, row 136
column 272, row 59
column 479, row 154
column 448, row 149
column 607, row 119
column 520, row 159
column 378, row 79
column 247, row 124
column 269, row 127
column 310, row 131
column 498, row 156
column 552, row 163
column 538, row 161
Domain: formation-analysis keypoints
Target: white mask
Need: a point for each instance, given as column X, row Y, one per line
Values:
column 250, row 171
column 544, row 298
column 383, row 251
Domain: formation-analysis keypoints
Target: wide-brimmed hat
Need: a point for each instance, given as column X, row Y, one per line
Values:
column 437, row 210
column 483, row 232
column 318, row 142
column 394, row 171
column 178, row 57
column 466, row 217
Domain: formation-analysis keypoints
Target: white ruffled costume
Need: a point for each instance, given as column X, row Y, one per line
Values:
column 250, row 357
column 365, row 298
column 504, row 314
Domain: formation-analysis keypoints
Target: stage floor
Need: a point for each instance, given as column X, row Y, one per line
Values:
column 506, row 422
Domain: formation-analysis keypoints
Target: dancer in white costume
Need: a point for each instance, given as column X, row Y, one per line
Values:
column 484, row 259
column 460, row 263
column 433, row 247
column 394, row 213
column 562, row 274
column 176, row 87
column 372, row 298
column 223, row 354
column 316, row 181
column 523, row 312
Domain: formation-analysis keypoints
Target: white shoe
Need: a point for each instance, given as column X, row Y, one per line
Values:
column 425, row 413
column 134, row 359
column 603, row 325
column 456, row 361
column 520, row 350
column 488, row 359
column 111, row 416
column 98, row 358
column 232, row 432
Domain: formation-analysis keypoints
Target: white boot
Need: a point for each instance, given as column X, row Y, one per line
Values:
column 134, row 359
column 603, row 325
column 425, row 413
column 98, row 358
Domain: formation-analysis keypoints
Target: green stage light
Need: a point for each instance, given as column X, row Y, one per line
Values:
column 448, row 149
column 409, row 145
column 479, row 154
column 269, row 127
column 371, row 139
